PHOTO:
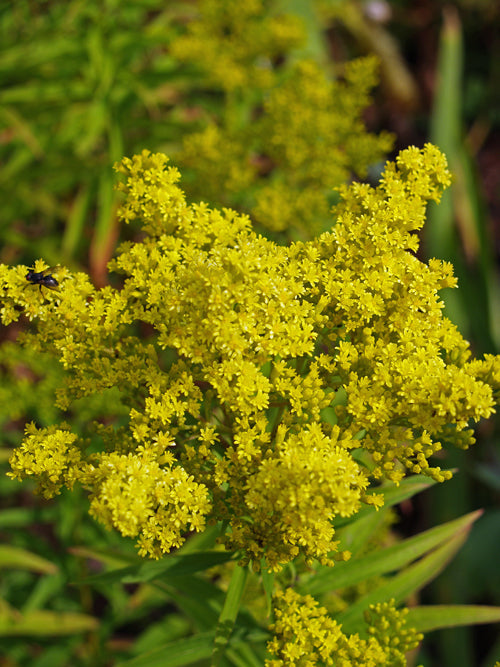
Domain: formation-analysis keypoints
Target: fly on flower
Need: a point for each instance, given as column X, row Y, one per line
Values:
column 42, row 279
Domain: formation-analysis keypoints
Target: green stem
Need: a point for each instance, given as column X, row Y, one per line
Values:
column 229, row 613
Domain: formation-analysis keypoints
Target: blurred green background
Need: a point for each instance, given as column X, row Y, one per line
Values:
column 84, row 83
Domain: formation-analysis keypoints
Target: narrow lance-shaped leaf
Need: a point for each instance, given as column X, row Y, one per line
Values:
column 403, row 584
column 21, row 559
column 42, row 623
column 425, row 619
column 229, row 612
column 389, row 559
column 176, row 654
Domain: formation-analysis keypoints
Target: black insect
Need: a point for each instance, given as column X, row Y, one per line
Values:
column 42, row 279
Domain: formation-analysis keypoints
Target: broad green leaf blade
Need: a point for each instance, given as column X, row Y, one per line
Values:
column 446, row 130
column 315, row 45
column 104, row 236
column 108, row 557
column 23, row 129
column 204, row 541
column 41, row 51
column 41, row 623
column 440, row 231
column 404, row 584
column 169, row 627
column 457, row 227
column 426, row 619
column 202, row 602
column 229, row 612
column 477, row 273
column 179, row 565
column 190, row 650
column 387, row 560
column 43, row 592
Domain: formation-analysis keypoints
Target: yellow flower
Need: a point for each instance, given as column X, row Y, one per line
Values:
column 50, row 456
column 304, row 634
column 157, row 504
column 237, row 376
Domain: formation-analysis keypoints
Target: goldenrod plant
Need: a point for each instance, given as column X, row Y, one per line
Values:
column 278, row 393
column 251, row 426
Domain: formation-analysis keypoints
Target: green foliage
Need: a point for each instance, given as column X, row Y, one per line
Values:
column 81, row 86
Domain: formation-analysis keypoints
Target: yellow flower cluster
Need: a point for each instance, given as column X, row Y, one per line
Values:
column 141, row 498
column 312, row 127
column 287, row 133
column 305, row 636
column 388, row 626
column 235, row 43
column 305, row 117
column 50, row 457
column 247, row 372
column 295, row 495
column 403, row 365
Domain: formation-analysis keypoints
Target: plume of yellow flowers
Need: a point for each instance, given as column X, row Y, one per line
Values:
column 234, row 44
column 236, row 377
column 275, row 164
column 304, row 634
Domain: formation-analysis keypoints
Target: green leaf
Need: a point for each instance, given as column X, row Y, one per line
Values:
column 204, row 541
column 247, row 653
column 393, row 495
column 268, row 585
column 404, row 584
column 103, row 239
column 425, row 619
column 75, row 224
column 386, row 560
column 41, row 51
column 199, row 599
column 43, row 592
column 40, row 623
column 181, row 652
column 20, row 559
column 109, row 557
column 180, row 565
column 446, row 133
column 23, row 130
column 167, row 569
column 190, row 650
column 355, row 536
column 96, row 120
column 315, row 45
